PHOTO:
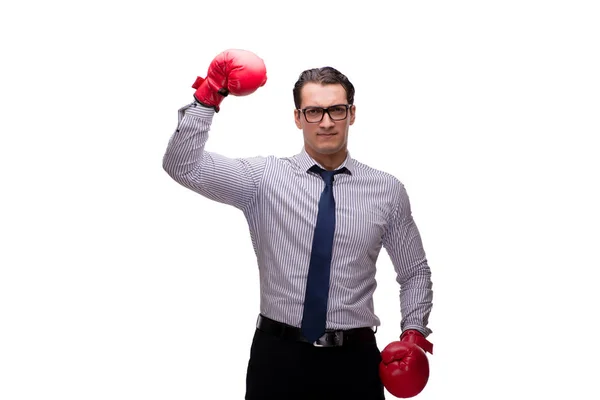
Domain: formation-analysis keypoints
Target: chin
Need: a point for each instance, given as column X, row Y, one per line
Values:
column 329, row 150
column 326, row 148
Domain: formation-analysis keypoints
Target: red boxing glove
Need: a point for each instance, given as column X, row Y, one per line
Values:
column 404, row 368
column 239, row 72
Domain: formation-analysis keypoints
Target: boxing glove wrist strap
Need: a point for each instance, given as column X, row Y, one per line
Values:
column 416, row 337
column 208, row 97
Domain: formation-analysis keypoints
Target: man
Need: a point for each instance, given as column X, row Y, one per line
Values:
column 317, row 222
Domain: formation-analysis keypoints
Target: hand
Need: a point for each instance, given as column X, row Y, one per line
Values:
column 404, row 368
column 236, row 72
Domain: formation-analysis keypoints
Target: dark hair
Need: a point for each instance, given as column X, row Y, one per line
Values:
column 324, row 76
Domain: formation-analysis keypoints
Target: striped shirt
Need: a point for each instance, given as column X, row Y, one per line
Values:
column 279, row 198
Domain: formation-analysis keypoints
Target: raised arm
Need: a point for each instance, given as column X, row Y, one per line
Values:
column 227, row 180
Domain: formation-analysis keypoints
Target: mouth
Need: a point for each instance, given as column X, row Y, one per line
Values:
column 326, row 134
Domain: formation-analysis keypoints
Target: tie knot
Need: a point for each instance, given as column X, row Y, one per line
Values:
column 327, row 175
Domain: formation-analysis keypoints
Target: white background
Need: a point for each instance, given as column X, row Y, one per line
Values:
column 116, row 283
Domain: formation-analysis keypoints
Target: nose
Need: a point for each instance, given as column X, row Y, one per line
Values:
column 327, row 122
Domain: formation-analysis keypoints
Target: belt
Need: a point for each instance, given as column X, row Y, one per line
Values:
column 331, row 338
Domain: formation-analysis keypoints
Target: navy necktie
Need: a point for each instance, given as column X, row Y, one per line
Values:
column 317, row 287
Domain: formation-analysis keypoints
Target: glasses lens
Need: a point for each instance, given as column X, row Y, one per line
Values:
column 338, row 112
column 313, row 114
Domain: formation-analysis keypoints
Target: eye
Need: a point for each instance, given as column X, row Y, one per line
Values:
column 313, row 111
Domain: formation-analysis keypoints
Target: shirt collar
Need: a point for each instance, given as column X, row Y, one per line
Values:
column 305, row 162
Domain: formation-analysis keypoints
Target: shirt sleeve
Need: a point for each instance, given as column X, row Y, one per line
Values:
column 403, row 243
column 233, row 181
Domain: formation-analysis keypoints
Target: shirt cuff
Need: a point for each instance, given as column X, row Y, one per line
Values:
column 196, row 109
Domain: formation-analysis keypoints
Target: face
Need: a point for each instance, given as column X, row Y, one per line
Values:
column 328, row 139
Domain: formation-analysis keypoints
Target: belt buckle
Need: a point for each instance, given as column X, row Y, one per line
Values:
column 319, row 342
column 338, row 340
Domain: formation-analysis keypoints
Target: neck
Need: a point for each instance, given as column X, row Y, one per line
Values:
column 328, row 161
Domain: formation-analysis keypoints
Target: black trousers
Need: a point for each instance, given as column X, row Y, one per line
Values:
column 281, row 369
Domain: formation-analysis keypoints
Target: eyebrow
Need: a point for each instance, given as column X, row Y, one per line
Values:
column 332, row 105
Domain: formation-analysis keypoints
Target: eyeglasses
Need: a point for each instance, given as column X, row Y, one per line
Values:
column 336, row 112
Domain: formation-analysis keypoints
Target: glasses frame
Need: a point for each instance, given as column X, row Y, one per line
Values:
column 324, row 110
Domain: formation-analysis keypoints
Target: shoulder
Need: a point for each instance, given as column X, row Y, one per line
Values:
column 270, row 165
column 366, row 172
column 296, row 162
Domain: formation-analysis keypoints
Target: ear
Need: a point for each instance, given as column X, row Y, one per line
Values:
column 352, row 114
column 297, row 116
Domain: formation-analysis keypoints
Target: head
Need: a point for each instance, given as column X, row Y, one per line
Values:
column 325, row 140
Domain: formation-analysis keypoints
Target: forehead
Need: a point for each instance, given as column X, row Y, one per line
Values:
column 322, row 95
